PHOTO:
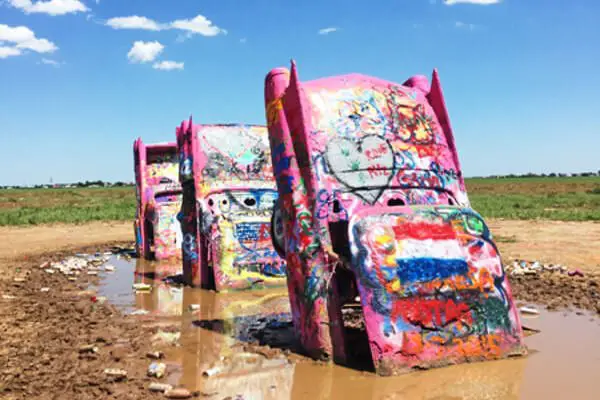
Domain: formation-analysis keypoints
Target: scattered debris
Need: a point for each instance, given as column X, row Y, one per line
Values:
column 88, row 348
column 212, row 371
column 45, row 289
column 139, row 312
column 156, row 355
column 576, row 272
column 8, row 297
column 115, row 373
column 179, row 393
column 142, row 287
column 157, row 370
column 529, row 310
column 19, row 279
column 159, row 387
column 166, row 337
column 109, row 268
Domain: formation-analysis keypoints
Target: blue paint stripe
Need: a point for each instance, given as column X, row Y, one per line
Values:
column 427, row 269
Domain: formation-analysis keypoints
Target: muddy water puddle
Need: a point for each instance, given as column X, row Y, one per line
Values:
column 564, row 360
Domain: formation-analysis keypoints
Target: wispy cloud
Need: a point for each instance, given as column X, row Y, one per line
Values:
column 462, row 25
column 54, row 63
column 327, row 31
column 144, row 52
column 168, row 65
column 243, row 40
column 478, row 2
column 20, row 39
column 50, row 7
column 199, row 25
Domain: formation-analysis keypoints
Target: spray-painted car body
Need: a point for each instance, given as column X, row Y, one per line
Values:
column 228, row 195
column 372, row 202
column 158, row 193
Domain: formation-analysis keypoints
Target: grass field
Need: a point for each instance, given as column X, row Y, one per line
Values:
column 566, row 199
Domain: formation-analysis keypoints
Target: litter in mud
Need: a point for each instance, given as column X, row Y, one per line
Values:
column 529, row 310
column 156, row 355
column 157, row 370
column 179, row 393
column 159, row 387
column 115, row 373
column 166, row 337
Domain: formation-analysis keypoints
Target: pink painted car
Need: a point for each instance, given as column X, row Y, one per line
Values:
column 158, row 193
column 372, row 205
column 228, row 195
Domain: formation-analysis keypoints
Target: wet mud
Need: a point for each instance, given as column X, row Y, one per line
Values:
column 240, row 345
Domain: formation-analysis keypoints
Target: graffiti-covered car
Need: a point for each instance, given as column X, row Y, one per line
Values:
column 228, row 194
column 372, row 204
column 158, row 193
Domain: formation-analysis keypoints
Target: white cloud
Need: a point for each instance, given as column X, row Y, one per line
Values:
column 50, row 7
column 54, row 63
column 134, row 22
column 243, row 40
column 479, row 2
column 143, row 52
column 326, row 31
column 6, row 52
column 198, row 25
column 462, row 25
column 168, row 65
column 22, row 38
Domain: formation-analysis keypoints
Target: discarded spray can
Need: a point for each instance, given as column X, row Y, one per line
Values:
column 157, row 369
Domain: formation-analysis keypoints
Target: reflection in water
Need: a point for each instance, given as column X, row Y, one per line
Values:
column 564, row 360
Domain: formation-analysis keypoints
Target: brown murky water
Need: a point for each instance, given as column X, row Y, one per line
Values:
column 564, row 360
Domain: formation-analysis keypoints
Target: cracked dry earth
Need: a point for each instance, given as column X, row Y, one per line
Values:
column 46, row 336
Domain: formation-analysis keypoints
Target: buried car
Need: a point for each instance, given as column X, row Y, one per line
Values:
column 228, row 194
column 158, row 194
column 373, row 215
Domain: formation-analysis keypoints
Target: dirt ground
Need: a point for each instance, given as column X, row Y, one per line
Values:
column 43, row 351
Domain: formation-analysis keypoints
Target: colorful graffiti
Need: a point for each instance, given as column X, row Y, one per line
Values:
column 229, row 193
column 432, row 288
column 158, row 193
column 346, row 144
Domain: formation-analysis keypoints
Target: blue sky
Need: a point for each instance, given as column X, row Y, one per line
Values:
column 520, row 77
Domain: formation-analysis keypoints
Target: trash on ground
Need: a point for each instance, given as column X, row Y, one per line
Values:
column 115, row 373
column 157, row 369
column 166, row 337
column 576, row 272
column 88, row 348
column 140, row 312
column 159, row 387
column 45, row 289
column 142, row 287
column 179, row 393
column 529, row 310
column 156, row 355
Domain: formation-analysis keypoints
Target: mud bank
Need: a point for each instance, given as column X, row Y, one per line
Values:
column 59, row 337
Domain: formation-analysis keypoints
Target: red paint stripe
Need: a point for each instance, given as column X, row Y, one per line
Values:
column 424, row 230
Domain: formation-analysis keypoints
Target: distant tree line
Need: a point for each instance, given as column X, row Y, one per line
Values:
column 100, row 183
column 542, row 175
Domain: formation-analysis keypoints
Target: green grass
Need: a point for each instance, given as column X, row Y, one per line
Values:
column 40, row 206
column 566, row 199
